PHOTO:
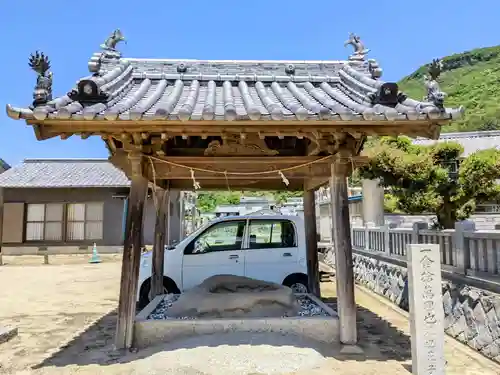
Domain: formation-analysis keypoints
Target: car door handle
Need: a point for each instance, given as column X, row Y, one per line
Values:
column 287, row 254
column 234, row 256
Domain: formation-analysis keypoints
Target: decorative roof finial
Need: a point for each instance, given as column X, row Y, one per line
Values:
column 434, row 93
column 40, row 63
column 359, row 48
column 374, row 69
column 110, row 43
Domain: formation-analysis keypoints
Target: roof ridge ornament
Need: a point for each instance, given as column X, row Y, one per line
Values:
column 360, row 50
column 40, row 63
column 109, row 45
column 374, row 69
column 434, row 93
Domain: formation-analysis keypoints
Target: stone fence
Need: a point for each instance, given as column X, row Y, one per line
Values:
column 470, row 270
column 464, row 250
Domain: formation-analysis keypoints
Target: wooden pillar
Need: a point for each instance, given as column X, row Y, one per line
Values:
column 161, row 207
column 131, row 255
column 341, row 239
column 2, row 193
column 182, row 216
column 311, row 242
column 193, row 212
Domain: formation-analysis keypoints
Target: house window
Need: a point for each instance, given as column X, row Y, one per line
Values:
column 84, row 221
column 44, row 222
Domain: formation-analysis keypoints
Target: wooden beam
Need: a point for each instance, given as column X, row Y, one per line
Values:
column 173, row 168
column 341, row 238
column 161, row 202
column 311, row 242
column 131, row 255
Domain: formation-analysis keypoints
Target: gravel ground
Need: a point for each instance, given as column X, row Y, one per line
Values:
column 52, row 304
column 307, row 308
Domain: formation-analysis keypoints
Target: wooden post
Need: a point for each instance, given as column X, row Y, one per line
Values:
column 193, row 212
column 341, row 239
column 311, row 242
column 2, row 193
column 161, row 202
column 131, row 255
column 182, row 216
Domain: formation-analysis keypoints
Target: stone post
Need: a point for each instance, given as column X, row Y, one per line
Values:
column 387, row 241
column 417, row 227
column 367, row 238
column 461, row 254
column 426, row 309
column 373, row 203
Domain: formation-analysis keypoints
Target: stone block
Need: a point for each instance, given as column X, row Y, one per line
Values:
column 492, row 350
column 447, row 304
column 470, row 330
column 461, row 337
column 484, row 336
column 449, row 321
column 493, row 324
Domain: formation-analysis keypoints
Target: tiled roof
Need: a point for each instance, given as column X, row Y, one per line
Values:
column 470, row 141
column 162, row 89
column 57, row 173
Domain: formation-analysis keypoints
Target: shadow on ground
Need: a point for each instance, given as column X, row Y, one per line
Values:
column 379, row 340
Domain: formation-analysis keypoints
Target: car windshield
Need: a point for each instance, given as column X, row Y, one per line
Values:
column 187, row 238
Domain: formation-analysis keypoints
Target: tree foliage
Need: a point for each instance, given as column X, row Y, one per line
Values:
column 207, row 201
column 423, row 179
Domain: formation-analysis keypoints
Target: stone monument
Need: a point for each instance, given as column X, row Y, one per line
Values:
column 230, row 296
column 426, row 309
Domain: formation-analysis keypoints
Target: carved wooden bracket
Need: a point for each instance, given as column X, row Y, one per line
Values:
column 331, row 143
column 136, row 161
column 234, row 145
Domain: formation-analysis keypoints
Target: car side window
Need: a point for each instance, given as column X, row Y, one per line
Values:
column 223, row 236
column 271, row 234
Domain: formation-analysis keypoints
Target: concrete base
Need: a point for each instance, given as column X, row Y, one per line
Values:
column 152, row 332
column 7, row 333
column 351, row 350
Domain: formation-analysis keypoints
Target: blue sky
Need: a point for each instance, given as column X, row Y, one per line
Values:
column 402, row 35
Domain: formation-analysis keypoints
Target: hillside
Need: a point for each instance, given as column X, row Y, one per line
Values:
column 471, row 79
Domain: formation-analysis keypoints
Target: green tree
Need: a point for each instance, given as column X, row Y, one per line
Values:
column 207, row 201
column 423, row 179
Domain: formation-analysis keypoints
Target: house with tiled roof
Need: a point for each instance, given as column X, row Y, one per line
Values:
column 67, row 205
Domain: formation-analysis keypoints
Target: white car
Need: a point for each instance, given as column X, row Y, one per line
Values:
column 269, row 248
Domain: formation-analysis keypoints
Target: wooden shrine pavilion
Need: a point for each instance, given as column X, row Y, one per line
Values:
column 184, row 124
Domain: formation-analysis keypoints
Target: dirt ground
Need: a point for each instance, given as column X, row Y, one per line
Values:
column 66, row 320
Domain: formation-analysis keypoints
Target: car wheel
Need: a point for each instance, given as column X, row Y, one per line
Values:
column 298, row 283
column 145, row 295
column 298, row 288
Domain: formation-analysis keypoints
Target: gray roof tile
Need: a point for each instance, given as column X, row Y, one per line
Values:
column 56, row 173
column 470, row 141
column 145, row 89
